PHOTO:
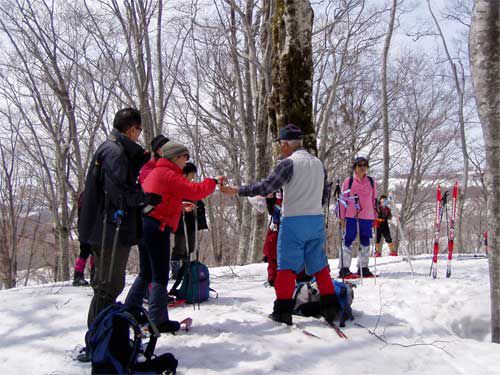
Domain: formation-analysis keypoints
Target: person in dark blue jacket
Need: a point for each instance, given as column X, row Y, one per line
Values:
column 112, row 205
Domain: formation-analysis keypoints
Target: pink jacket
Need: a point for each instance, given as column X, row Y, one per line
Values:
column 367, row 196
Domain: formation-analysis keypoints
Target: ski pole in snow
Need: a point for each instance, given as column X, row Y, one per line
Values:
column 103, row 236
column 372, row 243
column 336, row 194
column 197, row 249
column 188, row 257
column 451, row 227
column 440, row 205
column 357, row 207
column 117, row 218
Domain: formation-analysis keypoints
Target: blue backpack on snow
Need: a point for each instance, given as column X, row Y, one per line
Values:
column 114, row 343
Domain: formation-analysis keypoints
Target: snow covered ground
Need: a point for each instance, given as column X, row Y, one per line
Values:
column 431, row 327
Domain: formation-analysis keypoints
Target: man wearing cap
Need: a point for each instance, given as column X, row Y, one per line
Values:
column 358, row 216
column 302, row 234
column 156, row 145
column 166, row 180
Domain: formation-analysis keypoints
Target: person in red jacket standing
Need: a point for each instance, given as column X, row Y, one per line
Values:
column 167, row 180
column 156, row 144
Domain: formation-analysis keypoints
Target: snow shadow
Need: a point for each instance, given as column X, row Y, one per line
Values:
column 230, row 301
column 472, row 328
column 219, row 356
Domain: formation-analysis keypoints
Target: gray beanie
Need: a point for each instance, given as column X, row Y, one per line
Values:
column 172, row 149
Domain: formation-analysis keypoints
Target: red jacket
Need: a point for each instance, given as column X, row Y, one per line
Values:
column 146, row 170
column 167, row 180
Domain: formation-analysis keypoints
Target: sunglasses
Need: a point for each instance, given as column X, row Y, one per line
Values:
column 362, row 165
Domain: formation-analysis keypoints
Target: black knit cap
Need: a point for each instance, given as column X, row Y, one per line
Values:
column 358, row 160
column 157, row 142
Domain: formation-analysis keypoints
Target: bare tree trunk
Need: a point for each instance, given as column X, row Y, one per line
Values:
column 484, row 56
column 385, row 99
column 293, row 68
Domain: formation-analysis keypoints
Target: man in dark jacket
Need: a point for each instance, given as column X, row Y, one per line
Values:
column 112, row 205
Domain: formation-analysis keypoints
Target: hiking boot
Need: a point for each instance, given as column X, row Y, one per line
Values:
column 170, row 326
column 282, row 311
column 344, row 272
column 79, row 279
column 366, row 272
column 329, row 306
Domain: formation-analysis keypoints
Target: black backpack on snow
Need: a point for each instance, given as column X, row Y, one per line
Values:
column 115, row 345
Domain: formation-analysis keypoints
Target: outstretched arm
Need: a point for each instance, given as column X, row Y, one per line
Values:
column 278, row 177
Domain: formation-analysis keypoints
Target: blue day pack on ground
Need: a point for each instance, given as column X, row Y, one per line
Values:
column 306, row 298
column 114, row 343
column 195, row 285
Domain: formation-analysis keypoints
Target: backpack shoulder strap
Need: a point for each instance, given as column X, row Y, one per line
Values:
column 370, row 178
column 351, row 180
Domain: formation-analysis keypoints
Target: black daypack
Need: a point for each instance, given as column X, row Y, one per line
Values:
column 115, row 345
column 307, row 300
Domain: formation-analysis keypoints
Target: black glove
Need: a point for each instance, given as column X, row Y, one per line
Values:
column 153, row 199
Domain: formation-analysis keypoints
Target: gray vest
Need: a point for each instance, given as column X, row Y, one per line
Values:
column 302, row 194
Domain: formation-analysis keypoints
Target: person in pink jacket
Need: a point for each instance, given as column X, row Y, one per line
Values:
column 360, row 192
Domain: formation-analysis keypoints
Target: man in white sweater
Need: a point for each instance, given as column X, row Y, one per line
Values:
column 302, row 233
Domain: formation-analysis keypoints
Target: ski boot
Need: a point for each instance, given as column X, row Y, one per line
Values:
column 366, row 272
column 79, row 279
column 345, row 273
column 329, row 306
column 282, row 311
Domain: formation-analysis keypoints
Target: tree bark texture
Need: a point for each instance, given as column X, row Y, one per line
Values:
column 484, row 45
column 292, row 72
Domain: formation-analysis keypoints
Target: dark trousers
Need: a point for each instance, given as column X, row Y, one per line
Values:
column 107, row 288
column 383, row 230
column 85, row 250
column 154, row 258
column 154, row 252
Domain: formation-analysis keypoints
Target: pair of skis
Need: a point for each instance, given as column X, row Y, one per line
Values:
column 441, row 206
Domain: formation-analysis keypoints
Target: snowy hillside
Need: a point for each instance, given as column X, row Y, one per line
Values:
column 431, row 326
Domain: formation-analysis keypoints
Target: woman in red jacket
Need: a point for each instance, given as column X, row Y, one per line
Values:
column 167, row 180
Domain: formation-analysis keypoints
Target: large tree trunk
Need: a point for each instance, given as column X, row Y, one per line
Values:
column 485, row 68
column 293, row 68
column 385, row 99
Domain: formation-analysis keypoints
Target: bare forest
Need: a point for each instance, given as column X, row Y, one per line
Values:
column 389, row 80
